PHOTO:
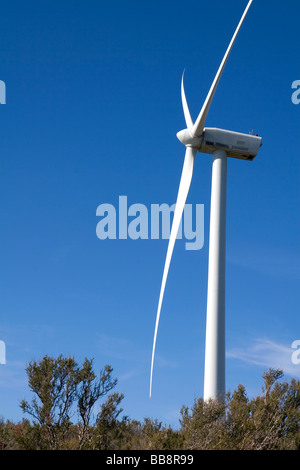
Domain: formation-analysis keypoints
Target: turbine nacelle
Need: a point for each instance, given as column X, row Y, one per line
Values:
column 235, row 144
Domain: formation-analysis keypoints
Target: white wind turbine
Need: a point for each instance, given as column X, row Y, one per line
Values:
column 221, row 144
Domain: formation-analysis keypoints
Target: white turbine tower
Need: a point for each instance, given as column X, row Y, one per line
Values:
column 221, row 144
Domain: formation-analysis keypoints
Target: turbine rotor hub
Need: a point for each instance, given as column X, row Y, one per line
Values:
column 188, row 140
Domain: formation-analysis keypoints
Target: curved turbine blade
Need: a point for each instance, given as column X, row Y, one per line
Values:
column 200, row 122
column 185, row 182
column 187, row 115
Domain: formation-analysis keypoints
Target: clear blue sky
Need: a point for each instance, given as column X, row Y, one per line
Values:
column 93, row 108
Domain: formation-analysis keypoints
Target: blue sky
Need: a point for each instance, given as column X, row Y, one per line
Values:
column 92, row 110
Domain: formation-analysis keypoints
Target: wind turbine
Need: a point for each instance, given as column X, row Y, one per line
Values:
column 221, row 144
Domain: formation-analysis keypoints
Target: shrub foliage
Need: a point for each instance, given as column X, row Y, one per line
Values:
column 62, row 415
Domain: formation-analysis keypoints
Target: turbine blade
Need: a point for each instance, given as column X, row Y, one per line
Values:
column 185, row 182
column 187, row 115
column 200, row 122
